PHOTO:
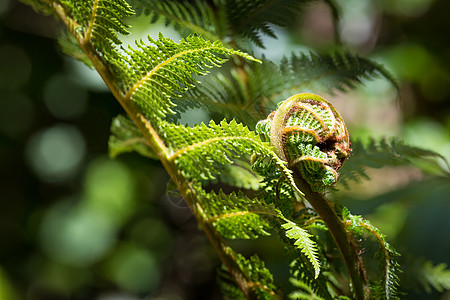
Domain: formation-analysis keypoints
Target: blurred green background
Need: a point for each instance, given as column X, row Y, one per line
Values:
column 75, row 224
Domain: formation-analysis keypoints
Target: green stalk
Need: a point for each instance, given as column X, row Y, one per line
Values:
column 343, row 239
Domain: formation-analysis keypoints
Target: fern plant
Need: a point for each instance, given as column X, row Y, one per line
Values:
column 295, row 153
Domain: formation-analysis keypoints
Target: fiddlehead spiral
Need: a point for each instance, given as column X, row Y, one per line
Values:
column 309, row 134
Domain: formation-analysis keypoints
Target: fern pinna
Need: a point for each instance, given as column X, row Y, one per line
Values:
column 296, row 153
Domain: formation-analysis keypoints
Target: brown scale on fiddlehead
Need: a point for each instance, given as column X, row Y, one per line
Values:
column 309, row 134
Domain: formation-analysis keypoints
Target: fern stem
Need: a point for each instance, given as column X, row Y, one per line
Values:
column 87, row 38
column 344, row 241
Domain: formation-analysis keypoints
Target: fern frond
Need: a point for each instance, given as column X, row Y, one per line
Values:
column 258, row 276
column 376, row 154
column 236, row 216
column 327, row 72
column 303, row 291
column 228, row 287
column 304, row 242
column 250, row 18
column 126, row 137
column 70, row 47
column 386, row 254
column 187, row 17
column 228, row 19
column 99, row 21
column 302, row 271
column 267, row 84
column 201, row 152
column 224, row 93
column 154, row 73
column 436, row 276
column 240, row 175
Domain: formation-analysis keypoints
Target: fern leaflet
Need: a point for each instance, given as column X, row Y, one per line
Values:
column 152, row 75
column 237, row 216
column 376, row 154
column 99, row 21
column 201, row 152
column 386, row 255
column 304, row 243
column 268, row 83
column 126, row 137
column 436, row 276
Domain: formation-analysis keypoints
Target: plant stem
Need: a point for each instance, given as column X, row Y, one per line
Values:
column 343, row 239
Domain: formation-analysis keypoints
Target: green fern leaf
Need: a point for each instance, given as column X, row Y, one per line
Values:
column 201, row 152
column 152, row 75
column 126, row 137
column 240, row 175
column 376, row 154
column 99, row 21
column 304, row 242
column 267, row 84
column 303, row 291
column 386, row 255
column 436, row 276
column 327, row 72
column 236, row 216
column 259, row 278
column 228, row 19
column 187, row 17
column 250, row 18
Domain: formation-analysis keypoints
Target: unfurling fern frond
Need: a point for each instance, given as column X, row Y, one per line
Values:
column 153, row 73
column 386, row 254
column 376, row 154
column 126, row 137
column 304, row 242
column 99, row 21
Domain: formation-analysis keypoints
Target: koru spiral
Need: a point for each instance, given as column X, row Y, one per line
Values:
column 309, row 134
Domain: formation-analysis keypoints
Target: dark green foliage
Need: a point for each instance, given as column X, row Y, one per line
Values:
column 377, row 154
column 236, row 216
column 327, row 72
column 234, row 20
column 267, row 84
column 186, row 16
column 386, row 255
column 434, row 276
column 257, row 273
column 126, row 137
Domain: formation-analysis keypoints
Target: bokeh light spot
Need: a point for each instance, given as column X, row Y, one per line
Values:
column 109, row 189
column 56, row 153
column 74, row 235
column 64, row 97
column 134, row 269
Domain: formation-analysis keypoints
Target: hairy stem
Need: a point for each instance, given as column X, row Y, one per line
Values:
column 344, row 241
column 157, row 144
